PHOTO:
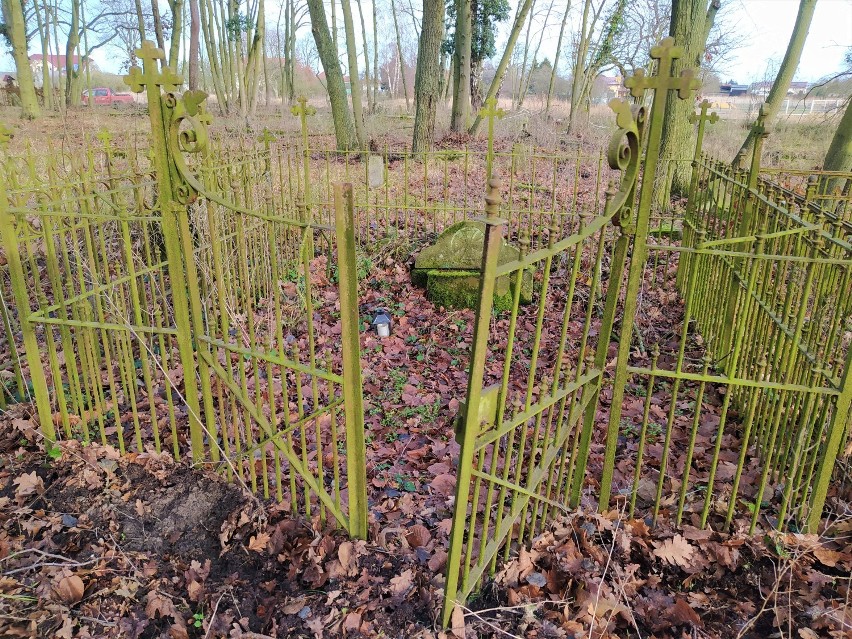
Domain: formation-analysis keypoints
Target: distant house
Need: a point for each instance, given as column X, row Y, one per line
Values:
column 612, row 87
column 733, row 89
column 762, row 89
column 56, row 65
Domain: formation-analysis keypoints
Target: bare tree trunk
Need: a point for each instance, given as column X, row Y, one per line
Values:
column 366, row 56
column 176, row 7
column 476, row 85
column 375, row 55
column 520, row 19
column 556, row 57
column 13, row 16
column 399, row 54
column 516, row 99
column 354, row 77
column 334, row 24
column 44, row 38
column 158, row 25
column 291, row 57
column 70, row 47
column 140, row 20
column 526, row 87
column 578, row 73
column 194, row 43
column 344, row 129
column 427, row 79
column 839, row 155
column 691, row 22
column 787, row 69
column 461, row 72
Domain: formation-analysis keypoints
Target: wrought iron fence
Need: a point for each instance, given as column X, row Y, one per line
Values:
column 691, row 365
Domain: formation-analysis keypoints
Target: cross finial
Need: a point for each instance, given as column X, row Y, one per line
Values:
column 149, row 75
column 490, row 110
column 703, row 116
column 266, row 136
column 666, row 53
column 104, row 136
column 302, row 108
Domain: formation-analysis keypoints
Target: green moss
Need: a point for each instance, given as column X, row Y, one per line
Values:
column 460, row 289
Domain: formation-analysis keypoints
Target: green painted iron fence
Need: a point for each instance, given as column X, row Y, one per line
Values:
column 150, row 295
column 198, row 295
column 700, row 368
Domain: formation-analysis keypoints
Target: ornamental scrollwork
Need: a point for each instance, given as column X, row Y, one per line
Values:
column 624, row 155
column 187, row 135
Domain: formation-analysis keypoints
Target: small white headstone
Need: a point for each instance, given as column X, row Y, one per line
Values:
column 376, row 171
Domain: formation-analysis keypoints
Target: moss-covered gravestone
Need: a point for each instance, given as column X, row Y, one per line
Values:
column 450, row 269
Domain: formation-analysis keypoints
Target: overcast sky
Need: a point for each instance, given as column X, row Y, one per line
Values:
column 765, row 26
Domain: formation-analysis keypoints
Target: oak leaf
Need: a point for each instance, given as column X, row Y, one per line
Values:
column 676, row 551
column 27, row 484
column 258, row 543
column 402, row 583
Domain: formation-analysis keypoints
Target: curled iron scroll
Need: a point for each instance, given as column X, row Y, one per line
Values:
column 191, row 139
column 623, row 155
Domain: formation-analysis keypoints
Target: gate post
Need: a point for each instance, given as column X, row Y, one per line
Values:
column 837, row 430
column 150, row 79
column 353, row 392
column 9, row 240
column 664, row 81
column 494, row 229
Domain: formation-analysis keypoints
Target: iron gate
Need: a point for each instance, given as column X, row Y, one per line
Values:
column 524, row 451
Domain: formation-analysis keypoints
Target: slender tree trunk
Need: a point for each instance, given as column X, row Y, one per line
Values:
column 442, row 87
column 526, row 87
column 354, row 77
column 579, row 71
column 375, row 55
column 516, row 98
column 476, row 67
column 334, row 24
column 158, row 24
column 177, row 32
column 194, row 43
column 344, row 129
column 71, row 46
column 556, row 57
column 787, row 69
column 13, row 16
column 291, row 56
column 208, row 19
column 461, row 74
column 691, row 22
column 84, row 59
column 44, row 38
column 427, row 79
column 517, row 26
column 839, row 155
column 284, row 12
column 399, row 54
column 266, row 84
column 140, row 20
column 255, row 57
column 366, row 56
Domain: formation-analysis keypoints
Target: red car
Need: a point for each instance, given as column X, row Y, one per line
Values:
column 108, row 97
